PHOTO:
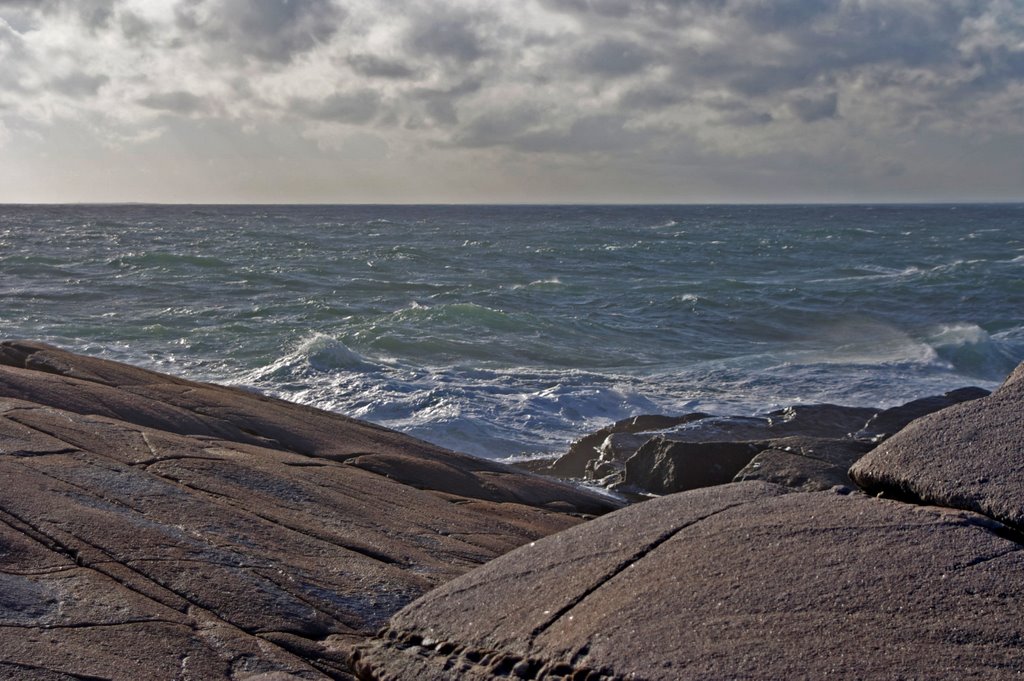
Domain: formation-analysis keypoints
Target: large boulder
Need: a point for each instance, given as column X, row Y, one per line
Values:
column 664, row 466
column 574, row 462
column 615, row 456
column 740, row 581
column 152, row 527
column 968, row 456
column 892, row 420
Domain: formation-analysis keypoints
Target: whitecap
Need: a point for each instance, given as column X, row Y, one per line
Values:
column 970, row 350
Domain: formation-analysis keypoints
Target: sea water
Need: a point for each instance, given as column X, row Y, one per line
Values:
column 510, row 330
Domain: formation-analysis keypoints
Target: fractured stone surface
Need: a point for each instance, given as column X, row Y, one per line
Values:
column 151, row 527
column 740, row 581
column 968, row 456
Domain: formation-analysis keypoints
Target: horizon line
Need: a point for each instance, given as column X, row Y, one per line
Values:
column 1019, row 201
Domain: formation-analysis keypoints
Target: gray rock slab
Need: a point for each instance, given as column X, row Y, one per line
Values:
column 46, row 375
column 157, row 528
column 968, row 456
column 734, row 582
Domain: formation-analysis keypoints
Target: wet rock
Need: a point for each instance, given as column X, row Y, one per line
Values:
column 890, row 421
column 574, row 462
column 152, row 527
column 613, row 453
column 968, row 456
column 818, row 420
column 602, row 456
column 804, row 463
column 738, row 581
column 665, row 466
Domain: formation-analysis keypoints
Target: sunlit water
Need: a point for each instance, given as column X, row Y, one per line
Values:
column 510, row 330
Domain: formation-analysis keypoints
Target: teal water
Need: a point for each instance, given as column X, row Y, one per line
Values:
column 511, row 330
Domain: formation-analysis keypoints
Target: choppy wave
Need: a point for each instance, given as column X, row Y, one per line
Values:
column 511, row 330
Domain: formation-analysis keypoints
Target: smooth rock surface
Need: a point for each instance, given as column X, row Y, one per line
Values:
column 741, row 581
column 152, row 527
column 969, row 456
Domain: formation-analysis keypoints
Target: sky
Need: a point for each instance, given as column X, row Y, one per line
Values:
column 498, row 101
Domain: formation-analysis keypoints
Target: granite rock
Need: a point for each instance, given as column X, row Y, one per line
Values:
column 152, row 527
column 891, row 421
column 806, row 464
column 574, row 462
column 665, row 466
column 968, row 456
column 738, row 581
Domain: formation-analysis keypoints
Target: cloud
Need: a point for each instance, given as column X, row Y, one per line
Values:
column 79, row 84
column 500, row 127
column 265, row 30
column 342, row 107
column 811, row 109
column 93, row 14
column 447, row 34
column 177, row 102
column 653, row 88
column 373, row 66
column 613, row 58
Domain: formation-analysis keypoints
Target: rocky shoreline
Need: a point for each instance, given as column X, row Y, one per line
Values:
column 153, row 527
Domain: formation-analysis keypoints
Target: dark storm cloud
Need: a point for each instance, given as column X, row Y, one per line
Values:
column 79, row 84
column 607, row 8
column 502, row 127
column 734, row 112
column 94, row 14
column 613, row 58
column 652, row 97
column 448, row 35
column 342, row 107
column 811, row 109
column 177, row 102
column 134, row 27
column 439, row 104
column 586, row 135
column 267, row 30
column 373, row 66
column 746, row 118
column 778, row 15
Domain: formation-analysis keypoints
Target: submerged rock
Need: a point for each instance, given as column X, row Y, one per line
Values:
column 738, row 581
column 152, row 527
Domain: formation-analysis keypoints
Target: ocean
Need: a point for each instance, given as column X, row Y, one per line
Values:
column 507, row 331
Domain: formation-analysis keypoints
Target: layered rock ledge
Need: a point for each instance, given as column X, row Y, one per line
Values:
column 157, row 528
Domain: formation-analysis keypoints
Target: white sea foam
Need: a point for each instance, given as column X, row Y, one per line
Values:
column 504, row 330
